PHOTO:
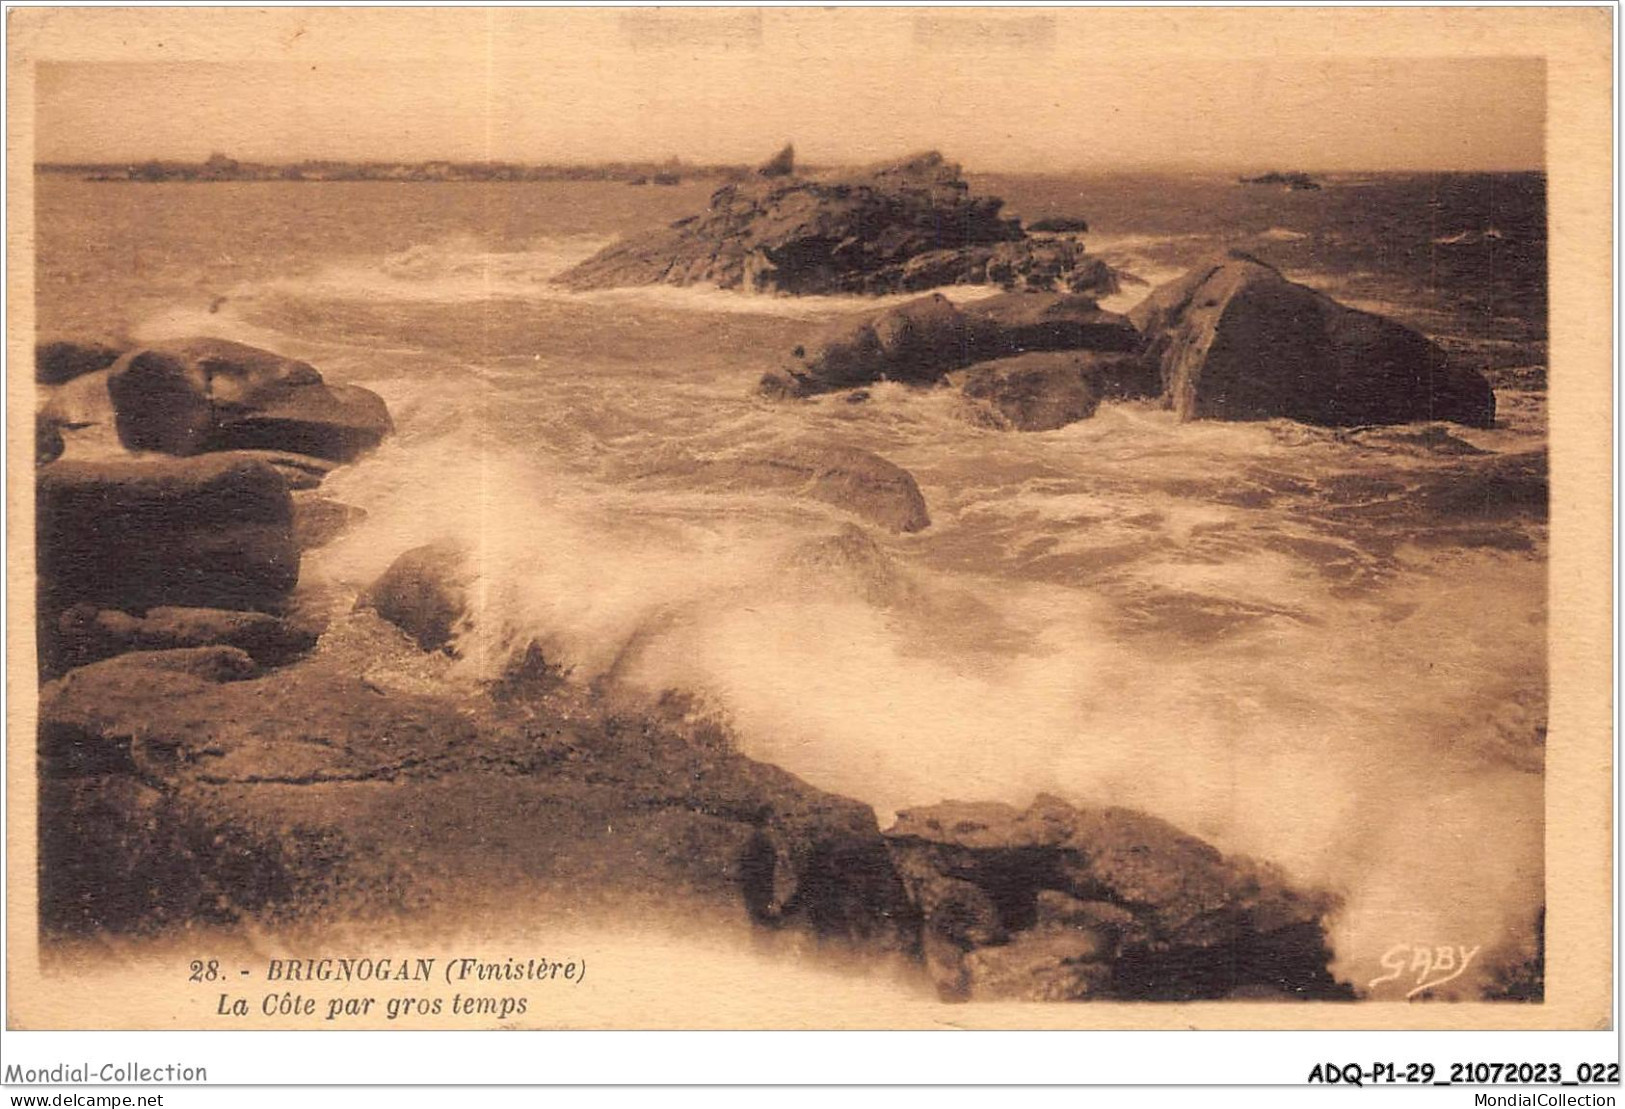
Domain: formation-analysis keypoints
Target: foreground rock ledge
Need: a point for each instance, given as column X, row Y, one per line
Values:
column 1059, row 903
column 191, row 786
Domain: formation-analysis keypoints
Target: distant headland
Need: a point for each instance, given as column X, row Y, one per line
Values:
column 220, row 167
column 1294, row 182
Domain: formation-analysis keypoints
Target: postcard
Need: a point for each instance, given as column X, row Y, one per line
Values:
column 732, row 518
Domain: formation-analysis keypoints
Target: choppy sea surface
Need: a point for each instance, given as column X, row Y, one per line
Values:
column 1324, row 648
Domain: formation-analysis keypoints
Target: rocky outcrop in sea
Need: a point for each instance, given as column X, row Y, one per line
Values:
column 1233, row 339
column 902, row 227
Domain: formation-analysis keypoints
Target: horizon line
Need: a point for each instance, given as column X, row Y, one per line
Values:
column 697, row 164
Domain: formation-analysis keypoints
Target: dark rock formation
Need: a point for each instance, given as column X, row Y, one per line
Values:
column 1018, row 322
column 59, row 361
column 918, row 342
column 1063, row 903
column 1034, row 392
column 1235, row 340
column 425, row 593
column 782, row 164
column 924, row 340
column 1064, row 225
column 1294, row 182
column 329, row 421
column 87, row 634
column 213, row 532
column 1045, row 390
column 187, row 715
column 118, row 853
column 197, row 395
column 908, row 226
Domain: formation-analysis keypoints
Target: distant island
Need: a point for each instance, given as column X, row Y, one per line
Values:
column 1294, row 182
column 220, row 167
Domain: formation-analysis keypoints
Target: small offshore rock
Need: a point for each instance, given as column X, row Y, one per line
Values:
column 1059, row 224
column 918, row 342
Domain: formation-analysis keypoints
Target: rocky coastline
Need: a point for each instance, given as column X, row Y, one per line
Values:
column 211, row 751
column 215, row 748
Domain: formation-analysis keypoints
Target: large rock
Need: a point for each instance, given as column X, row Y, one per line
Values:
column 1033, row 392
column 196, row 395
column 425, row 593
column 1046, row 390
column 1107, row 902
column 1235, row 340
column 1028, row 321
column 918, row 342
column 212, row 532
column 1044, row 964
column 856, row 232
column 924, row 340
column 1064, row 225
column 326, row 421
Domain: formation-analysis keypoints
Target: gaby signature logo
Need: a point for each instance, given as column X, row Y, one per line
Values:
column 1424, row 965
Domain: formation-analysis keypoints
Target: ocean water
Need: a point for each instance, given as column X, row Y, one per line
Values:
column 1323, row 648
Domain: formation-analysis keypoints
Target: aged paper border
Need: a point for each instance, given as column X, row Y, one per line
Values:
column 1577, row 43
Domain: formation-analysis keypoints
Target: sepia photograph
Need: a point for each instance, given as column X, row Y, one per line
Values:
column 788, row 517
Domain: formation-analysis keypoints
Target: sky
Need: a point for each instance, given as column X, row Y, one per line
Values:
column 1025, row 89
